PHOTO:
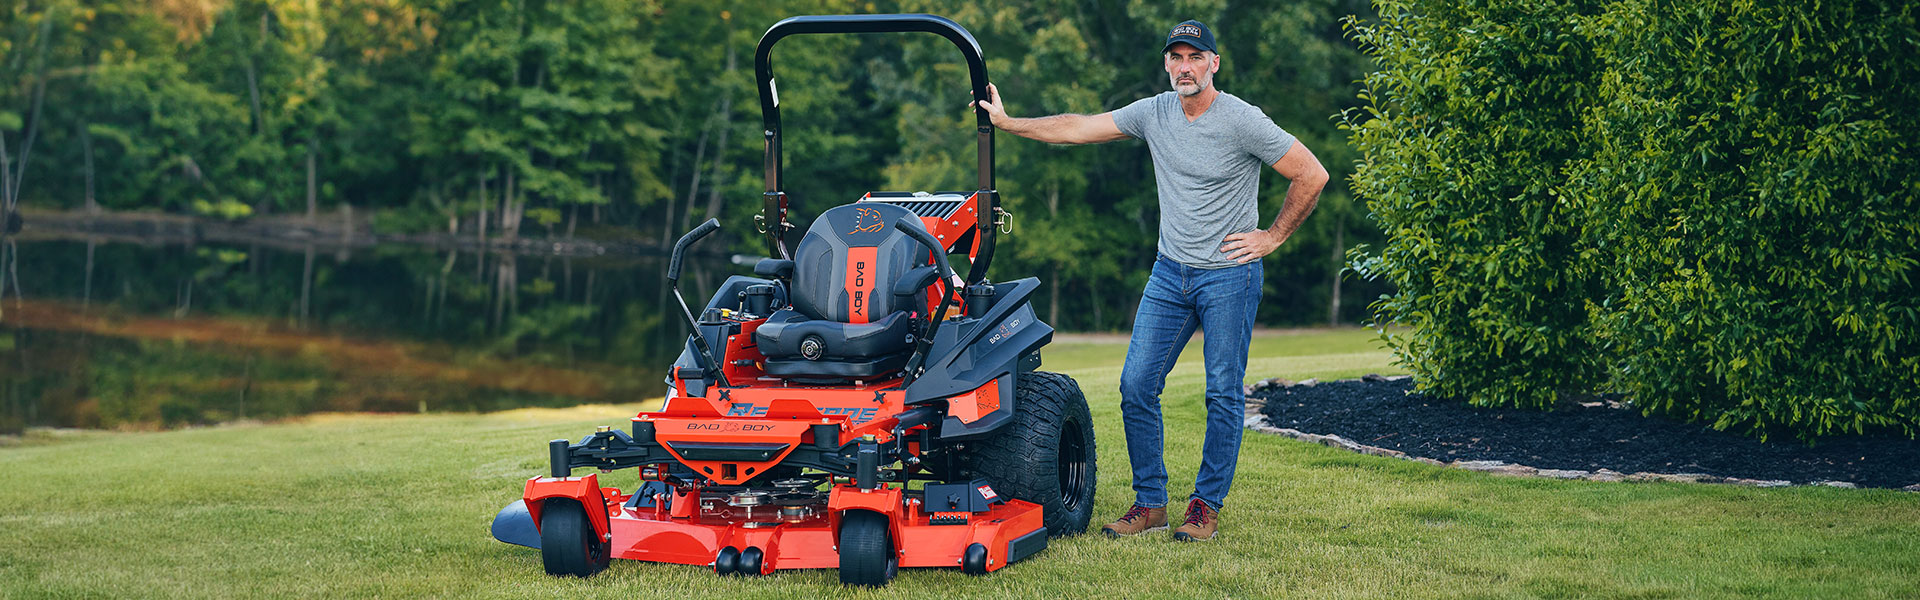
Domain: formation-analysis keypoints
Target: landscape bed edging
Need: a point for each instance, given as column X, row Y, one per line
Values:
column 1259, row 422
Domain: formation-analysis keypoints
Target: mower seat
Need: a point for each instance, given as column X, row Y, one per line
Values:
column 846, row 320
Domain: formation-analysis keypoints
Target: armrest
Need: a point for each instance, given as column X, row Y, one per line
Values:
column 774, row 267
column 916, row 280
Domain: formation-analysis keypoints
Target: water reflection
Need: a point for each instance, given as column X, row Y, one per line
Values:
column 124, row 335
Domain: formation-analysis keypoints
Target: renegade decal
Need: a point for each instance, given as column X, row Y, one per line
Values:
column 857, row 415
column 854, row 414
column 747, row 410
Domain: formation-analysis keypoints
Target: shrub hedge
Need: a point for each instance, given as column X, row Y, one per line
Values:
column 1709, row 206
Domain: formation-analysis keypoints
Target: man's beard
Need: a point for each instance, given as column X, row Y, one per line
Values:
column 1199, row 85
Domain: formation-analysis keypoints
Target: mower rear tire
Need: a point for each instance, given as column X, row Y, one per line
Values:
column 568, row 544
column 867, row 557
column 1046, row 455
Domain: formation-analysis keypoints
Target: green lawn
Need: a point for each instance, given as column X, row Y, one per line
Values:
column 352, row 506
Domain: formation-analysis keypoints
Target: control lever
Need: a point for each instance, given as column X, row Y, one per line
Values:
column 911, row 226
column 673, row 281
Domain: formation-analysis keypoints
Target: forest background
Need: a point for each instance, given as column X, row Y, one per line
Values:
column 636, row 119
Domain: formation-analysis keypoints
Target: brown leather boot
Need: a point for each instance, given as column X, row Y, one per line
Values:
column 1202, row 522
column 1138, row 520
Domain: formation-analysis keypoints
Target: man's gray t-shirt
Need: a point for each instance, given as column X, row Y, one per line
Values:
column 1208, row 170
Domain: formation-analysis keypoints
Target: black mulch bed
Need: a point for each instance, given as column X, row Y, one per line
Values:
column 1386, row 415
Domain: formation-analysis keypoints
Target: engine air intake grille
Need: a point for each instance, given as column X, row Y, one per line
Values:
column 938, row 206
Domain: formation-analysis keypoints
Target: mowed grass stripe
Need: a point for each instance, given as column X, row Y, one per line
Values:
column 398, row 506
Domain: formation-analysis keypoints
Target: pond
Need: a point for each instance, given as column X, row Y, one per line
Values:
column 123, row 334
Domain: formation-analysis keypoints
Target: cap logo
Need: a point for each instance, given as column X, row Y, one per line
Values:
column 1186, row 30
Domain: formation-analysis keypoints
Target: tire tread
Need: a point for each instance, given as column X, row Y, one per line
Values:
column 1044, row 403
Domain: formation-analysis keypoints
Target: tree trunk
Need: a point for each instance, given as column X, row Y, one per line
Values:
column 253, row 94
column 446, row 273
column 346, row 225
column 3, row 275
column 259, row 122
column 719, row 162
column 185, row 307
column 1339, row 264
column 13, row 270
column 674, row 167
column 1053, row 297
column 312, row 176
column 509, row 215
column 502, row 285
column 482, row 234
column 435, row 196
column 673, row 175
column 86, row 289
column 246, row 384
column 306, row 287
column 12, row 191
column 693, row 190
column 86, row 152
column 1093, row 293
column 6, row 187
column 720, row 150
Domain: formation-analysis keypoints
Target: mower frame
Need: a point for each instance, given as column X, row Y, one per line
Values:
column 775, row 197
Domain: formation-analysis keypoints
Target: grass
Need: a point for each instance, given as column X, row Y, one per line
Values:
column 398, row 506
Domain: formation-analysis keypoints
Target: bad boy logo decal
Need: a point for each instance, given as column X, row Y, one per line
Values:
column 862, row 216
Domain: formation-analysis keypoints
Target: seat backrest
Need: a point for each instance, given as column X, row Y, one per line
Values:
column 845, row 266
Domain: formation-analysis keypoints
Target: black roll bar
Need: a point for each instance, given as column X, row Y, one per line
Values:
column 776, row 201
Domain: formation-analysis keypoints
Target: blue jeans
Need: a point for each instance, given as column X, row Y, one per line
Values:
column 1178, row 300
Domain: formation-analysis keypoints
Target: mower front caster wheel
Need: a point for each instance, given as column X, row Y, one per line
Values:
column 866, row 549
column 974, row 561
column 568, row 544
column 734, row 561
column 750, row 562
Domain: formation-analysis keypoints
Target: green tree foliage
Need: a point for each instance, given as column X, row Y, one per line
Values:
column 546, row 97
column 1756, row 164
column 1473, row 121
column 1085, row 216
column 1709, row 207
column 537, row 117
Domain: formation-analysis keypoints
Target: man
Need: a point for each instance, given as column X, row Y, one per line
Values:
column 1208, row 149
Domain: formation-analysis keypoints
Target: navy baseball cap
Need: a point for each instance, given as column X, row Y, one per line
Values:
column 1193, row 33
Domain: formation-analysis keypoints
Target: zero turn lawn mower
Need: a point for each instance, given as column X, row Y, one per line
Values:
column 857, row 406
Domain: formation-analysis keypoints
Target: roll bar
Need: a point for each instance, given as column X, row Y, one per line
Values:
column 776, row 199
